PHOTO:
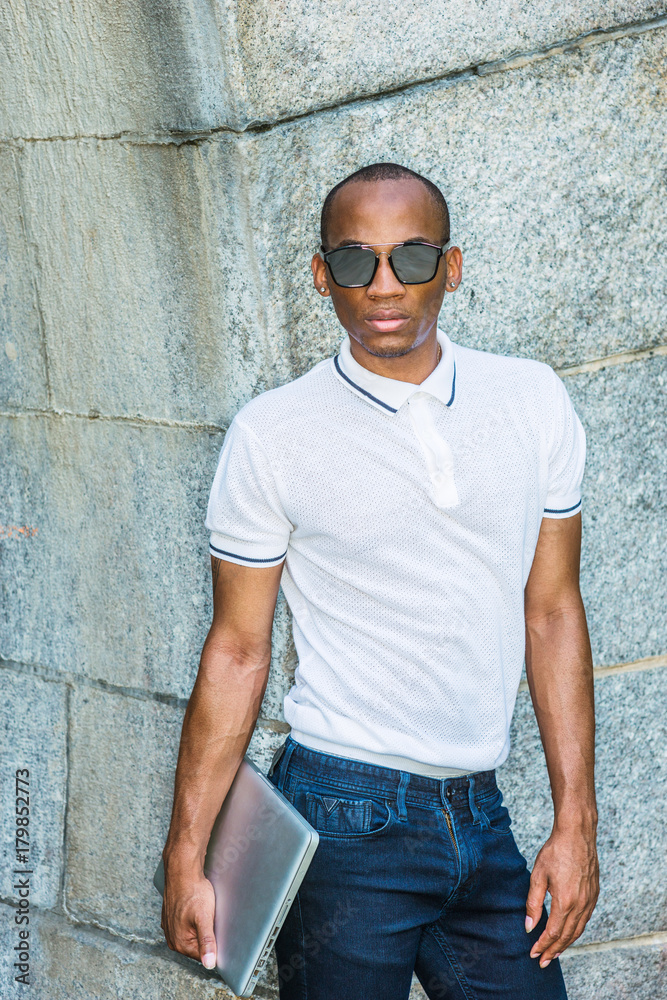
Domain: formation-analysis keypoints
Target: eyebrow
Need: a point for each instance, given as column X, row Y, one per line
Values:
column 356, row 243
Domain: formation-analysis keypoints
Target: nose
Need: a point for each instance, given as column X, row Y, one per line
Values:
column 385, row 284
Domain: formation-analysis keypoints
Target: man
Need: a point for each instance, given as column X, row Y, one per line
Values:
column 419, row 502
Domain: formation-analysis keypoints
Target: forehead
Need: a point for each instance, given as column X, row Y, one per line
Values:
column 383, row 211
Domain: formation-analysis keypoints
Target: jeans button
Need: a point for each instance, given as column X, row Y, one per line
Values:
column 448, row 793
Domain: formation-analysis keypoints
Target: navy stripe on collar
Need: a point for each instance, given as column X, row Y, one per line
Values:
column 359, row 389
column 451, row 398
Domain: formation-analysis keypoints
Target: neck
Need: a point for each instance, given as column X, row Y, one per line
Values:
column 415, row 366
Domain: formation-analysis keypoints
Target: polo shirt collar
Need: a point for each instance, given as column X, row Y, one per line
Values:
column 388, row 394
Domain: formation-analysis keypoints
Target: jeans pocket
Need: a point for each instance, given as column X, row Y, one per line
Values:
column 333, row 816
column 496, row 815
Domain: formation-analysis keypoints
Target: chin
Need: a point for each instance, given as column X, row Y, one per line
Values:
column 387, row 345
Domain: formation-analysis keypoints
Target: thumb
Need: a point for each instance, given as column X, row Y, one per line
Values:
column 535, row 900
column 206, row 939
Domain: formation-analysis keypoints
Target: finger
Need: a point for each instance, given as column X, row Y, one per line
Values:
column 581, row 927
column 535, row 899
column 206, row 938
column 552, row 932
column 574, row 927
column 565, row 938
column 165, row 925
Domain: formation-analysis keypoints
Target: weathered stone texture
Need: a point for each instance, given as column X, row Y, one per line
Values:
column 631, row 769
column 301, row 56
column 115, row 581
column 556, row 194
column 96, row 69
column 89, row 68
column 624, row 557
column 33, row 735
column 150, row 300
column 75, row 963
column 623, row 973
column 111, row 578
column 123, row 761
column 22, row 366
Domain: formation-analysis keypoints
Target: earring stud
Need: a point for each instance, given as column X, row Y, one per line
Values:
column 323, row 289
column 452, row 284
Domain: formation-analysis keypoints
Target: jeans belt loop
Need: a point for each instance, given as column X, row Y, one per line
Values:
column 400, row 796
column 285, row 750
column 476, row 815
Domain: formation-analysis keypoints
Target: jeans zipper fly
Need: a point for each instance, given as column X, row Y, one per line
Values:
column 451, row 834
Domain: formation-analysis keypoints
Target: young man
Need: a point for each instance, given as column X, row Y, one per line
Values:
column 419, row 502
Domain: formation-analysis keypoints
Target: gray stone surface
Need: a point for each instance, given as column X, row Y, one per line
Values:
column 90, row 68
column 631, row 774
column 624, row 557
column 556, row 194
column 103, row 69
column 109, row 575
column 76, row 963
column 114, row 583
column 298, row 56
column 22, row 366
column 33, row 735
column 153, row 301
column 623, row 973
column 123, row 760
column 151, row 304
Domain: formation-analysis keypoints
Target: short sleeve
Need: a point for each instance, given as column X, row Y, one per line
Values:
column 567, row 456
column 245, row 517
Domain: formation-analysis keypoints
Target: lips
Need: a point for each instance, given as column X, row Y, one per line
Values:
column 387, row 320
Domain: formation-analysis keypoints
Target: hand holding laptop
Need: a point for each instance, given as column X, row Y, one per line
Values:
column 188, row 909
column 258, row 853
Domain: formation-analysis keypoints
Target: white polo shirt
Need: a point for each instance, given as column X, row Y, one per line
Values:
column 408, row 517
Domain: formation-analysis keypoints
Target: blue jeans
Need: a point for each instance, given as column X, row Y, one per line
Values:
column 411, row 873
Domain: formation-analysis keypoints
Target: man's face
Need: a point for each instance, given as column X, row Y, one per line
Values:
column 388, row 319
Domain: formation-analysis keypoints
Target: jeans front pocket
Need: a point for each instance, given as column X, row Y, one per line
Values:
column 496, row 815
column 333, row 816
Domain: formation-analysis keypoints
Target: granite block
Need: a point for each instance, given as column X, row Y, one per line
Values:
column 22, row 364
column 111, row 579
column 33, row 731
column 146, row 279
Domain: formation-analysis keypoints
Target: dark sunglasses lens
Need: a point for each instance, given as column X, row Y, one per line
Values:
column 351, row 266
column 415, row 263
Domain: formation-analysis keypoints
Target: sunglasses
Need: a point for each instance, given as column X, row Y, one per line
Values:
column 413, row 263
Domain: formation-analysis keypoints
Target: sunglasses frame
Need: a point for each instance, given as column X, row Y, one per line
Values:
column 367, row 246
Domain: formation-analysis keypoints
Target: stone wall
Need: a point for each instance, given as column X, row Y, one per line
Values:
column 162, row 165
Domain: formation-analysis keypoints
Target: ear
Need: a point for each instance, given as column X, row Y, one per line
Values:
column 454, row 262
column 320, row 277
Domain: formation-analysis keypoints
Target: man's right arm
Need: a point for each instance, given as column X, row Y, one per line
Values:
column 219, row 721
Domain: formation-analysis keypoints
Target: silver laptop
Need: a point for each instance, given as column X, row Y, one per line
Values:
column 258, row 853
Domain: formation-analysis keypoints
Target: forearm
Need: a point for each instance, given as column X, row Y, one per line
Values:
column 217, row 727
column 560, row 677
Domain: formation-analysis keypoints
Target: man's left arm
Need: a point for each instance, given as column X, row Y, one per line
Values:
column 560, row 677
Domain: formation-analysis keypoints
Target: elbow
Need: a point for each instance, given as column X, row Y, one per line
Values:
column 234, row 658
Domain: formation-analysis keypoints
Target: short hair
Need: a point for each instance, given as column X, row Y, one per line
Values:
column 385, row 172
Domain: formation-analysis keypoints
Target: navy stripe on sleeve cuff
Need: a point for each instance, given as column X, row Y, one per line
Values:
column 248, row 559
column 565, row 510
